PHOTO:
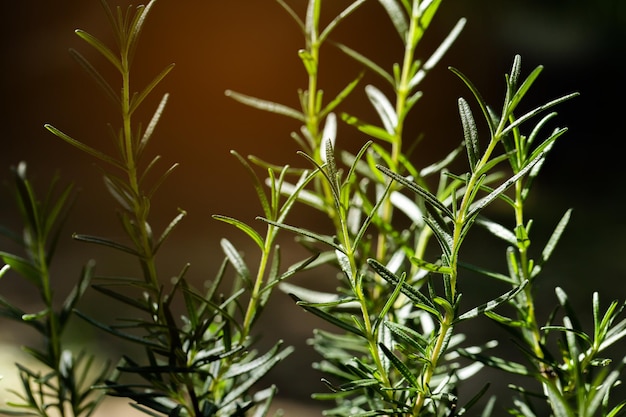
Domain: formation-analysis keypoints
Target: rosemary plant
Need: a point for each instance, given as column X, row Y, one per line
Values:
column 356, row 201
column 396, row 249
column 397, row 352
column 60, row 380
column 203, row 364
column 574, row 379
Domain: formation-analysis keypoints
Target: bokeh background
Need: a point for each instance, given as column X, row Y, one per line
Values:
column 250, row 46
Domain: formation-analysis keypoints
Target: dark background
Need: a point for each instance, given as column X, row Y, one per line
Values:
column 250, row 46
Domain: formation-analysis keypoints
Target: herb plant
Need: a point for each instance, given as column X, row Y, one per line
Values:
column 398, row 233
column 61, row 383
column 203, row 364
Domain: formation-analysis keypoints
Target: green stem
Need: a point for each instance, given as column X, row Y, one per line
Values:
column 438, row 350
column 253, row 304
column 54, row 342
column 522, row 248
column 402, row 92
column 446, row 324
column 313, row 49
column 463, row 210
column 54, row 333
column 312, row 124
column 370, row 330
column 140, row 208
column 313, row 117
column 531, row 330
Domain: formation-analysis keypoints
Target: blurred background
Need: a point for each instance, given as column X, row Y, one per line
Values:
column 250, row 46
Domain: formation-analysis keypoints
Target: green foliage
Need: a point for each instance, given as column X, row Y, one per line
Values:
column 203, row 364
column 396, row 349
column 59, row 380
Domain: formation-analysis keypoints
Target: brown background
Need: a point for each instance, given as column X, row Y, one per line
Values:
column 250, row 46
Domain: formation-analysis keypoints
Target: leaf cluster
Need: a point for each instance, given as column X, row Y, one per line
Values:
column 396, row 246
column 196, row 365
column 393, row 354
column 62, row 379
column 203, row 363
column 574, row 379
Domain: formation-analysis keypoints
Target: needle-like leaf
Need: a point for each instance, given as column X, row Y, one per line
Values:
column 266, row 105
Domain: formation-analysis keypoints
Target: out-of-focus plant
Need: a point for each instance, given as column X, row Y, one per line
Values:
column 59, row 380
